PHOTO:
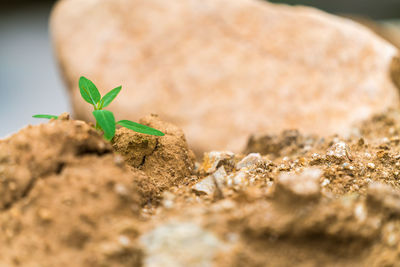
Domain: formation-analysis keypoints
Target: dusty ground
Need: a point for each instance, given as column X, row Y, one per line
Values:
column 69, row 198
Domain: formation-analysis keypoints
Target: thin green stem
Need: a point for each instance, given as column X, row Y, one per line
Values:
column 98, row 126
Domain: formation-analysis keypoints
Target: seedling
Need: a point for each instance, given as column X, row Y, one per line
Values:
column 105, row 120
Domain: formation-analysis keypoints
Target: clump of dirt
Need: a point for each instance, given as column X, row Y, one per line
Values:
column 289, row 142
column 62, row 191
column 70, row 198
column 395, row 71
column 91, row 205
column 37, row 151
column 166, row 160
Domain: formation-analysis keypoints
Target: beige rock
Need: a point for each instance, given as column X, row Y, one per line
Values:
column 304, row 185
column 339, row 151
column 213, row 159
column 179, row 244
column 252, row 159
column 211, row 183
column 224, row 69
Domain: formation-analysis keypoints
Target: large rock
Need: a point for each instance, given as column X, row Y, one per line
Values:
column 224, row 69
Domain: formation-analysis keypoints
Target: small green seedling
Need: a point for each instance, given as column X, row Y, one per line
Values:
column 105, row 120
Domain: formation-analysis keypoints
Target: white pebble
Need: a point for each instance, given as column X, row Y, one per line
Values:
column 325, row 182
column 371, row 165
column 124, row 240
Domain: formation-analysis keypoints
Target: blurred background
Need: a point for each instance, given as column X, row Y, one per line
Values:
column 29, row 79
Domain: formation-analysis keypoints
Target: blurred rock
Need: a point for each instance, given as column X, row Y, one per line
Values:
column 304, row 185
column 180, row 244
column 211, row 183
column 214, row 159
column 339, row 151
column 395, row 71
column 286, row 143
column 252, row 159
column 383, row 197
column 224, row 69
column 388, row 30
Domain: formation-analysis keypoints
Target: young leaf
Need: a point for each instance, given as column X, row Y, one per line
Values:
column 45, row 116
column 137, row 127
column 109, row 97
column 106, row 121
column 89, row 91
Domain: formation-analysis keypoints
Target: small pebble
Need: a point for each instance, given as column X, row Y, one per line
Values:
column 121, row 190
column 212, row 160
column 371, row 165
column 124, row 240
column 339, row 150
column 325, row 182
column 250, row 160
column 118, row 160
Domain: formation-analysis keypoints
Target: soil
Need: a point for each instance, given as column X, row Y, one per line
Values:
column 166, row 161
column 69, row 198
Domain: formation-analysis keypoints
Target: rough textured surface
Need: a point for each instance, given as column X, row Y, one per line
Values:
column 55, row 144
column 217, row 67
column 62, row 192
column 331, row 202
column 335, row 203
column 166, row 160
column 177, row 244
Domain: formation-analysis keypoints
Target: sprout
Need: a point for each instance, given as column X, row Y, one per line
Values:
column 105, row 120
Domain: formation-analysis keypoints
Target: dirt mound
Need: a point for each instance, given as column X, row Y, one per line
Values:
column 166, row 160
column 91, row 204
column 39, row 151
column 62, row 181
column 69, row 198
column 62, row 190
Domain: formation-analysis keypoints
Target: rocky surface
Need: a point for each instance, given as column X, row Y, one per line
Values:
column 336, row 203
column 68, row 197
column 223, row 70
column 217, row 67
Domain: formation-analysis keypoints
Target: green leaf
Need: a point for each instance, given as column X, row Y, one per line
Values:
column 106, row 121
column 109, row 97
column 89, row 91
column 137, row 127
column 45, row 116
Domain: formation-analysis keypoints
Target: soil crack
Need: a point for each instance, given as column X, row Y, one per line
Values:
column 150, row 154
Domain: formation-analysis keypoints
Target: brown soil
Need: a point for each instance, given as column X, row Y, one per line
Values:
column 69, row 198
column 63, row 190
column 166, row 161
column 395, row 71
